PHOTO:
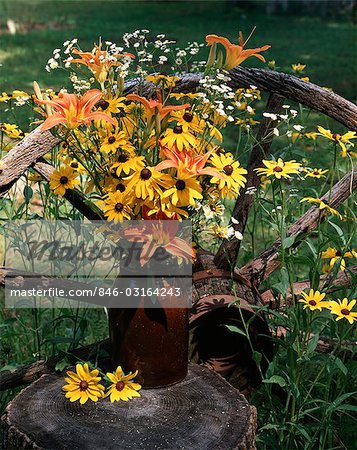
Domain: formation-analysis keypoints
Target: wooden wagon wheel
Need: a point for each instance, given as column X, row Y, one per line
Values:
column 29, row 153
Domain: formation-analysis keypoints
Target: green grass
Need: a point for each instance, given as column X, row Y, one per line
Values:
column 325, row 46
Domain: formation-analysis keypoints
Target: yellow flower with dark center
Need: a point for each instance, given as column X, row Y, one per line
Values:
column 340, row 139
column 179, row 136
column 117, row 206
column 322, row 204
column 113, row 104
column 316, row 173
column 183, row 191
column 298, row 67
column 337, row 255
column 190, row 119
column 230, row 170
column 146, row 183
column 115, row 140
column 163, row 81
column 62, row 179
column 125, row 164
column 83, row 384
column 314, row 300
column 122, row 388
column 279, row 169
column 343, row 310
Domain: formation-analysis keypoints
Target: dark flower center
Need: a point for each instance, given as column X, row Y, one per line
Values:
column 345, row 311
column 63, row 180
column 74, row 164
column 83, row 385
column 336, row 136
column 312, row 302
column 104, row 104
column 187, row 117
column 111, row 139
column 120, row 187
column 228, row 170
column 277, row 169
column 180, row 185
column 145, row 174
column 119, row 207
column 122, row 158
column 339, row 253
column 178, row 129
column 316, row 172
column 120, row 385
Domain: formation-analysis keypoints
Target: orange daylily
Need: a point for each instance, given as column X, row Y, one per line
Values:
column 74, row 111
column 153, row 107
column 99, row 62
column 159, row 234
column 186, row 163
column 235, row 54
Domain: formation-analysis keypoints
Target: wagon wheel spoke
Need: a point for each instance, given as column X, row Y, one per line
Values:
column 228, row 252
column 267, row 262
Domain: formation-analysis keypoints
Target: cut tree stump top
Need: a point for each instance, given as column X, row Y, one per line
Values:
column 201, row 412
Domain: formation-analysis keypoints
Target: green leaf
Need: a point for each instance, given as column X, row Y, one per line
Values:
column 234, row 329
column 257, row 357
column 28, row 193
column 341, row 366
column 276, row 379
column 62, row 365
column 288, row 241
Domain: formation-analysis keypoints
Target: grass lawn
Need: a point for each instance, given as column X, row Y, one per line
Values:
column 325, row 46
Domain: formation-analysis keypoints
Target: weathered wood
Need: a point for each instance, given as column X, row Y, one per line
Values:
column 32, row 147
column 261, row 267
column 288, row 86
column 344, row 279
column 201, row 412
column 228, row 251
column 31, row 372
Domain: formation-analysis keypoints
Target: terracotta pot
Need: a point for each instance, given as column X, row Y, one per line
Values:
column 153, row 341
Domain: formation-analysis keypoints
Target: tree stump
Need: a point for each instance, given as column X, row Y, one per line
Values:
column 201, row 412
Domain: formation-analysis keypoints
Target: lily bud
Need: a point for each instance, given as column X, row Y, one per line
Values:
column 212, row 56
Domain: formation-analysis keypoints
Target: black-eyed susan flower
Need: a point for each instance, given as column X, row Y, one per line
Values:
column 314, row 300
column 163, row 81
column 231, row 173
column 114, row 141
column 343, row 310
column 147, row 182
column 279, row 169
column 179, row 136
column 338, row 256
column 83, row 384
column 321, row 204
column 184, row 191
column 117, row 206
column 122, row 388
column 125, row 164
column 316, row 173
column 113, row 104
column 62, row 179
column 340, row 139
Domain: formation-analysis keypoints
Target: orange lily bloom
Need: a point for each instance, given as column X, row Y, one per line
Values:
column 153, row 107
column 74, row 111
column 160, row 234
column 235, row 54
column 186, row 164
column 98, row 62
